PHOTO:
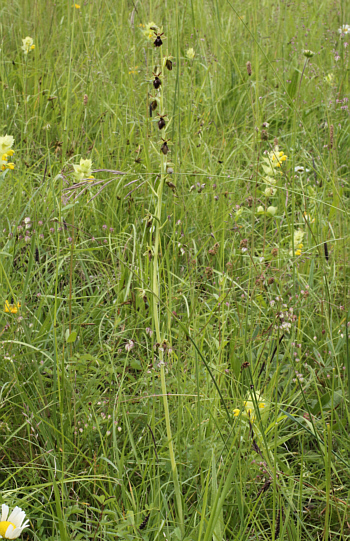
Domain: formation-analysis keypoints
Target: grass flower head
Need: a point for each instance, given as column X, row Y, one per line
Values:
column 12, row 526
column 28, row 45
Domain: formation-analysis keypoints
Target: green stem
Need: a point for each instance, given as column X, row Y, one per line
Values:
column 156, row 305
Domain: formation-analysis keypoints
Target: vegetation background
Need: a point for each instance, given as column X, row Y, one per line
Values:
column 85, row 445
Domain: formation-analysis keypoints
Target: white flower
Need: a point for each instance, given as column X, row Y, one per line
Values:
column 12, row 527
column 28, row 44
column 129, row 345
column 83, row 170
column 301, row 169
column 308, row 218
column 190, row 53
column 345, row 29
column 260, row 209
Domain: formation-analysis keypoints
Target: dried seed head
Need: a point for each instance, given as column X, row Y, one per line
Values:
column 278, row 524
column 275, row 142
column 208, row 272
column 214, row 249
column 85, row 99
column 264, row 135
column 249, row 68
column 152, row 107
column 331, row 136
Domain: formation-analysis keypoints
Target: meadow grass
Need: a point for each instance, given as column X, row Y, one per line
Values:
column 178, row 366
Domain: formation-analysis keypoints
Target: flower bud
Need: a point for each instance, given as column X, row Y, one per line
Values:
column 272, row 211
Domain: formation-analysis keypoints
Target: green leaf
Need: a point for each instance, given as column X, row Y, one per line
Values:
column 293, row 85
column 71, row 337
column 326, row 402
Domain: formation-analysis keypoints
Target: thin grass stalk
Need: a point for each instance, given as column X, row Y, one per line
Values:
column 156, row 304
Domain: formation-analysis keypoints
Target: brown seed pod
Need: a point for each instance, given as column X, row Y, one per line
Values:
column 152, row 107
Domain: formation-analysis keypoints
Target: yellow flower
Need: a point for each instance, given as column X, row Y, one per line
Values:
column 27, row 45
column 76, row 6
column 190, row 53
column 248, row 410
column 6, row 151
column 83, row 170
column 308, row 218
column 278, row 158
column 12, row 307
